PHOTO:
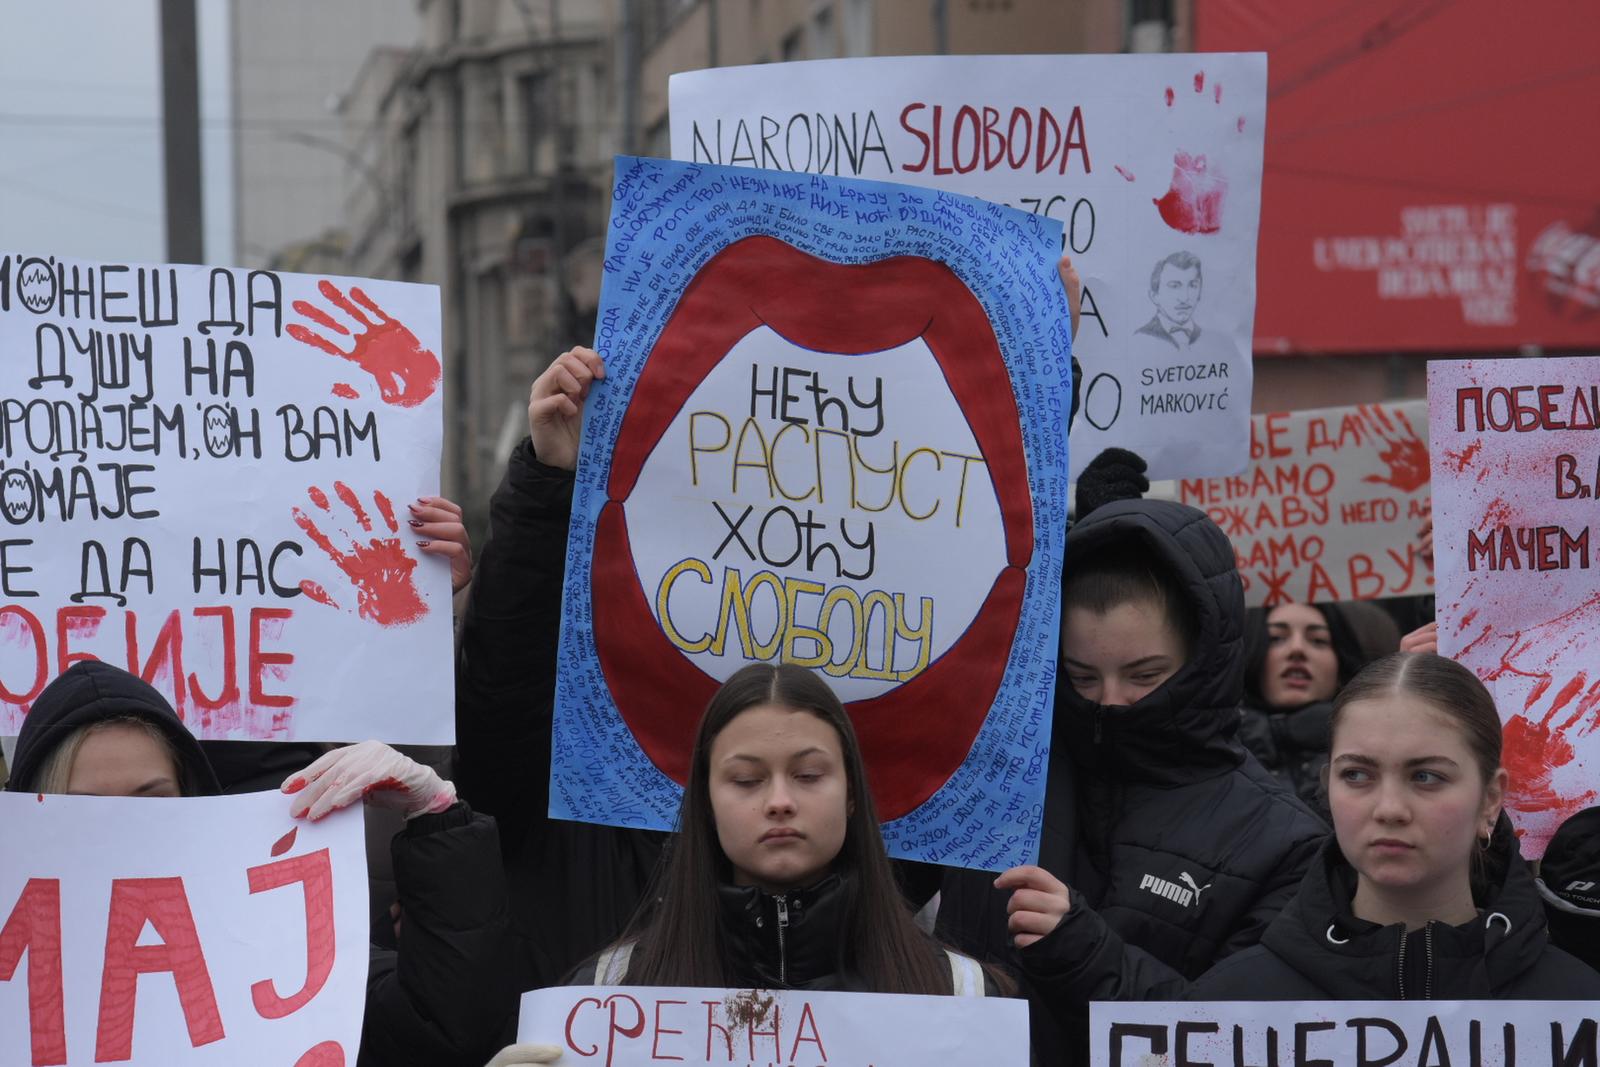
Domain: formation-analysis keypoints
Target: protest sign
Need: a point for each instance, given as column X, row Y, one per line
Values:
column 632, row 1027
column 204, row 476
column 1152, row 162
column 833, row 434
column 1331, row 507
column 1516, row 471
column 1360, row 1033
column 170, row 933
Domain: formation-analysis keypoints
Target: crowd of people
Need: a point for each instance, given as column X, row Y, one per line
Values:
column 1240, row 805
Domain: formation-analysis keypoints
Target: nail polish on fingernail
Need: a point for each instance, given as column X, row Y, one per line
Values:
column 415, row 522
column 424, row 544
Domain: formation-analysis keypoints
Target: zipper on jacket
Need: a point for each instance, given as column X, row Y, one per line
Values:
column 1427, row 974
column 782, row 900
column 1399, row 963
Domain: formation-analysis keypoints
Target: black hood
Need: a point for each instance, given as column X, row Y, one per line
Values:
column 91, row 692
column 1351, row 958
column 1184, row 730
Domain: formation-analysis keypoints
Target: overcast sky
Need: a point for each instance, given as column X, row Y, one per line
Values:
column 80, row 130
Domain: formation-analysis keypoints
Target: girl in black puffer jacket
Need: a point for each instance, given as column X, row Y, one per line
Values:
column 1165, row 845
column 1297, row 657
column 1421, row 893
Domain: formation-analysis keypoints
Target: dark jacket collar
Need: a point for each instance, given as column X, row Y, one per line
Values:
column 807, row 950
column 1184, row 730
column 91, row 692
column 1348, row 957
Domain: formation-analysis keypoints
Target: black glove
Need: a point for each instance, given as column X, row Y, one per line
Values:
column 1115, row 474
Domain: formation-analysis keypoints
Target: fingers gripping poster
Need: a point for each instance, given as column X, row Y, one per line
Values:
column 1516, row 474
column 1151, row 162
column 831, row 432
column 180, row 933
column 205, row 477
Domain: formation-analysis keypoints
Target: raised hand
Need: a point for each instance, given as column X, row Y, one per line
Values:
column 1074, row 287
column 438, row 522
column 378, row 566
column 555, row 405
column 370, row 771
column 406, row 373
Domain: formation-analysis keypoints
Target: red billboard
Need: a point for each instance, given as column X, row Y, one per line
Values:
column 1432, row 172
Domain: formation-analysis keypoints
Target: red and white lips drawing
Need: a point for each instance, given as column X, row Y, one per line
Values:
column 918, row 701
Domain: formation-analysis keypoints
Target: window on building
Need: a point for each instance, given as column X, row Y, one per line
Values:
column 824, row 41
column 858, row 27
column 537, row 120
column 1149, row 25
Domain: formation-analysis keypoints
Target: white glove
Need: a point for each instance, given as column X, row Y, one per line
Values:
column 373, row 771
column 517, row 1055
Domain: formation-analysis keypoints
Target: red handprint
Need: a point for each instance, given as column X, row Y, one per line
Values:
column 327, row 1054
column 1405, row 453
column 406, row 373
column 379, row 568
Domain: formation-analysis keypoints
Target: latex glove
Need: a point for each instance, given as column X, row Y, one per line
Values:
column 1039, row 901
column 1115, row 474
column 516, row 1055
column 370, row 771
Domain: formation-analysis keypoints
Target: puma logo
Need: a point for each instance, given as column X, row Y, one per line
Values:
column 1172, row 891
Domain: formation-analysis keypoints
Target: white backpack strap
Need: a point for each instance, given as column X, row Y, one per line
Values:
column 966, row 975
column 611, row 967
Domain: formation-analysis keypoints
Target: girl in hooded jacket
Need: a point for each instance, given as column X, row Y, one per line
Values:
column 1297, row 658
column 1421, row 893
column 777, row 877
column 1165, row 845
column 438, row 1000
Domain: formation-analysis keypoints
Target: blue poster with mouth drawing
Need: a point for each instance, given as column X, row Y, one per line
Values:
column 832, row 432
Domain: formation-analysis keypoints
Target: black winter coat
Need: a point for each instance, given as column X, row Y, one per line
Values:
column 1177, row 846
column 806, row 954
column 442, row 998
column 574, row 886
column 1317, row 950
column 1292, row 745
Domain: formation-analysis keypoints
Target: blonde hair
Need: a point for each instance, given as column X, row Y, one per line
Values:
column 55, row 773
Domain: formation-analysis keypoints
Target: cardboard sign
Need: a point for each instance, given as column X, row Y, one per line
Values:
column 1152, row 163
column 204, row 476
column 1516, row 472
column 1322, row 1033
column 829, row 437
column 619, row 1026
column 1331, row 507
column 171, row 933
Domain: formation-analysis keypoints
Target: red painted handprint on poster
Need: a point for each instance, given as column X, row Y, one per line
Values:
column 406, row 373
column 378, row 567
column 1404, row 453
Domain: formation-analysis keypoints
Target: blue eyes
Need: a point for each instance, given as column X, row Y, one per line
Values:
column 1358, row 776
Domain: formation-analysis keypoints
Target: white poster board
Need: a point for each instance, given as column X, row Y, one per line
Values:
column 1332, row 506
column 204, row 478
column 1153, row 162
column 180, row 933
column 1340, row 1033
column 622, row 1026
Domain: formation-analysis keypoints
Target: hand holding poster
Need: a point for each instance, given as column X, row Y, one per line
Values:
column 1322, row 1034
column 1152, row 162
column 633, row 1027
column 831, row 432
column 1331, row 507
column 1516, row 472
column 170, row 933
column 204, row 476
